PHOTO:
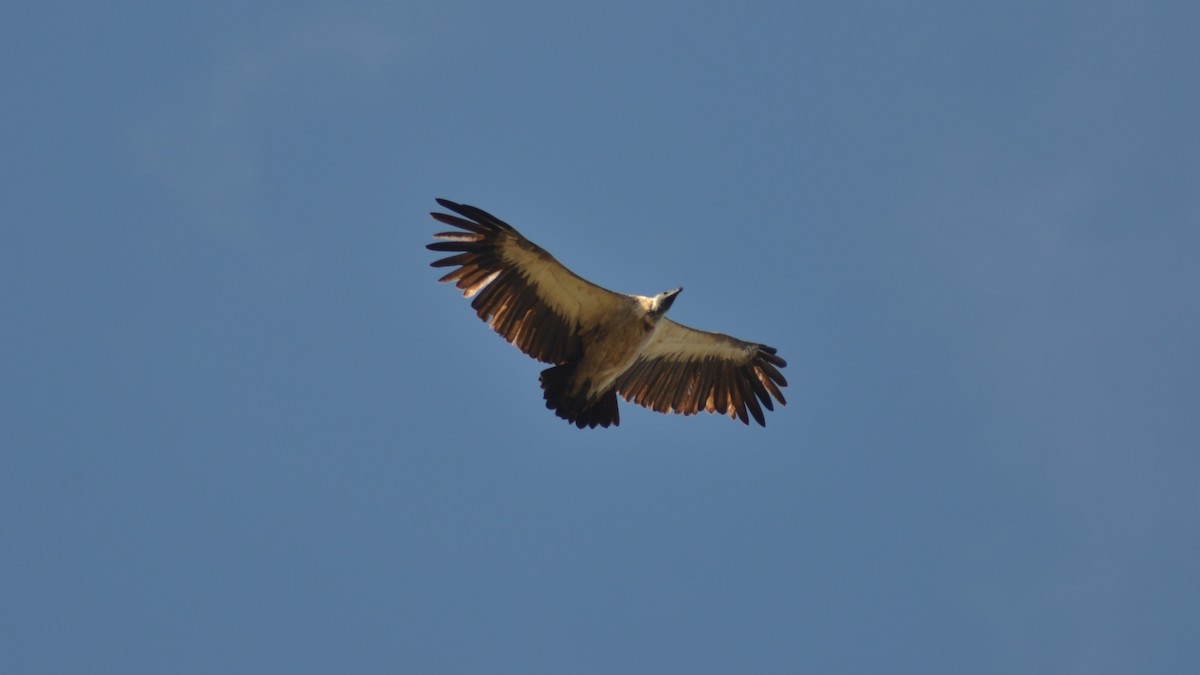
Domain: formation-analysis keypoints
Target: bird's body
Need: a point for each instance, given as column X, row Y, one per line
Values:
column 602, row 343
column 614, row 346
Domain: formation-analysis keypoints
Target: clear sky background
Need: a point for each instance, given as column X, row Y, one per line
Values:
column 245, row 431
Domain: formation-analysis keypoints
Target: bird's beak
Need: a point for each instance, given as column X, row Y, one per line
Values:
column 668, row 299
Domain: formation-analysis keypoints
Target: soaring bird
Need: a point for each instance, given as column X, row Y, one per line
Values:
column 600, row 343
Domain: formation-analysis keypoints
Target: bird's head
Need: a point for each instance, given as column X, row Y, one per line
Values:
column 663, row 301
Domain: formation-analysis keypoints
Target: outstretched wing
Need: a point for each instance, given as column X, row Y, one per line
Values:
column 684, row 370
column 520, row 290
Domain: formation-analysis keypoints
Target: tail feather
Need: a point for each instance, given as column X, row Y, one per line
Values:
column 578, row 410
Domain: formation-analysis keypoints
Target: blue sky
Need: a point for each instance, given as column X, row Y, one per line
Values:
column 244, row 430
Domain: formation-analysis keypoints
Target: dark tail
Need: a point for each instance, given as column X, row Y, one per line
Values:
column 578, row 410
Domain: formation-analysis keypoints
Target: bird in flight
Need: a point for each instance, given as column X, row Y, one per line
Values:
column 600, row 343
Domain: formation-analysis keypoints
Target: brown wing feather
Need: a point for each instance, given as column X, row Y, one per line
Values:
column 519, row 289
column 684, row 370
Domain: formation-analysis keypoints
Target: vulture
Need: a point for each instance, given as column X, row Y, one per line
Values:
column 600, row 343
